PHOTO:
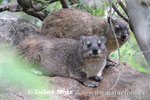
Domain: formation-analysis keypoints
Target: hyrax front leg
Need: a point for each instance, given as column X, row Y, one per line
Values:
column 110, row 63
column 96, row 78
column 81, row 76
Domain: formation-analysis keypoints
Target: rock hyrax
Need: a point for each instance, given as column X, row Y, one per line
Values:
column 73, row 23
column 82, row 60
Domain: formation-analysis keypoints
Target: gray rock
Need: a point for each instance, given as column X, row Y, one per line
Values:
column 13, row 30
column 132, row 85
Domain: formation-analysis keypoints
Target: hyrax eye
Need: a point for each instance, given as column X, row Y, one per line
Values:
column 89, row 44
column 99, row 43
column 116, row 28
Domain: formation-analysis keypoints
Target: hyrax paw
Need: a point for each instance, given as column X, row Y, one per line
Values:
column 90, row 83
column 96, row 78
column 111, row 63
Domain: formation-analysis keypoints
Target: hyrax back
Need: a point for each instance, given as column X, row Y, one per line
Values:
column 73, row 23
column 80, row 60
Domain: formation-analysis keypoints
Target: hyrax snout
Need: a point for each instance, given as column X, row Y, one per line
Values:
column 83, row 60
column 93, row 47
column 121, row 28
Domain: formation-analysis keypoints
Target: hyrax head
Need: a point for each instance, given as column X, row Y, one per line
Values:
column 93, row 46
column 121, row 28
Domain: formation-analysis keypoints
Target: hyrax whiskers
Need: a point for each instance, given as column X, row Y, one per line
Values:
column 82, row 60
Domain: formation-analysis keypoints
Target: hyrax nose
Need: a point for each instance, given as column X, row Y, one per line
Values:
column 95, row 51
column 123, row 37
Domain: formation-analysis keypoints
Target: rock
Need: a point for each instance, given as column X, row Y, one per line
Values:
column 10, row 91
column 13, row 30
column 132, row 85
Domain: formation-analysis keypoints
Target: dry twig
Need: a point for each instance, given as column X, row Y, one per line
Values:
column 117, row 43
column 122, row 6
column 119, row 13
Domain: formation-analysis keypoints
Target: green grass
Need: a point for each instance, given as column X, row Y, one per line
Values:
column 16, row 71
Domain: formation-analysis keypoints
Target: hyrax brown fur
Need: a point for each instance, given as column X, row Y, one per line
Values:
column 82, row 60
column 73, row 23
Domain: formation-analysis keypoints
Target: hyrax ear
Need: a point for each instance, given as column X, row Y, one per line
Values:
column 82, row 39
column 110, row 19
column 103, row 39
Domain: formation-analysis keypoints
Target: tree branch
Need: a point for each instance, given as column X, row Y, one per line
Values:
column 27, row 7
column 40, row 16
column 145, row 3
column 72, row 2
column 138, row 25
column 119, row 13
column 123, row 6
column 13, row 7
column 65, row 3
column 51, row 1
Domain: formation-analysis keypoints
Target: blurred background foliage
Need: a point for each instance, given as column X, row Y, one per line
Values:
column 15, row 75
column 17, row 71
column 130, row 52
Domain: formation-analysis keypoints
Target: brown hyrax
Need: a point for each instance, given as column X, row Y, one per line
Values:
column 73, row 23
column 83, row 60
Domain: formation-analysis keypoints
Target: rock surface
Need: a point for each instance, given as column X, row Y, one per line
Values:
column 132, row 85
column 13, row 30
